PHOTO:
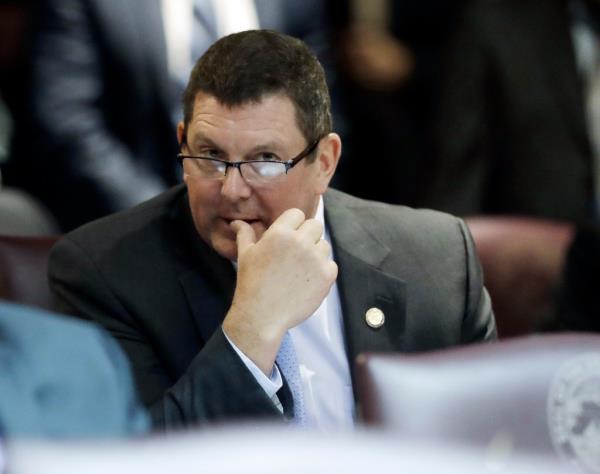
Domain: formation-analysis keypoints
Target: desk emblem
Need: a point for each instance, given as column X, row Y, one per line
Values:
column 574, row 411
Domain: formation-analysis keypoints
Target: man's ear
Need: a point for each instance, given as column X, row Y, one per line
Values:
column 180, row 130
column 329, row 152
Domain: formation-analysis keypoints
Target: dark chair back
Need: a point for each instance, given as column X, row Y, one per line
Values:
column 522, row 260
column 23, row 270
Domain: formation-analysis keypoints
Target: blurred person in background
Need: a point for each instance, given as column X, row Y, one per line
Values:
column 103, row 89
column 14, row 27
column 389, row 58
column 20, row 213
column 519, row 125
column 63, row 378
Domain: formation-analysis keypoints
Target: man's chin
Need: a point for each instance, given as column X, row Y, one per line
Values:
column 226, row 248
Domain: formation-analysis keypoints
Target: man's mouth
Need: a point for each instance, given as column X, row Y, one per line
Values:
column 229, row 220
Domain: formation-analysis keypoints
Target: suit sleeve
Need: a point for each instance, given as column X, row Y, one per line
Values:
column 478, row 322
column 215, row 386
column 67, row 104
column 463, row 161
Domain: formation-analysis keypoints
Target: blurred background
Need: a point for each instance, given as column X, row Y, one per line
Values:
column 486, row 109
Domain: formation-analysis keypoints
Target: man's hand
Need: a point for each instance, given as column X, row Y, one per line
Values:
column 282, row 279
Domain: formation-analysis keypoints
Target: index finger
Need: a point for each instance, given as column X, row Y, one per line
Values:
column 245, row 235
column 291, row 219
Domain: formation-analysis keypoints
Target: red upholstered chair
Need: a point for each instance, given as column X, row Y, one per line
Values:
column 23, row 268
column 532, row 395
column 522, row 259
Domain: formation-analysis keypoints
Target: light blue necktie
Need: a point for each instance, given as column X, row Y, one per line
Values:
column 204, row 34
column 288, row 365
column 204, row 31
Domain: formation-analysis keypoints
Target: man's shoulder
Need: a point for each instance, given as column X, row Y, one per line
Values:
column 354, row 221
column 386, row 215
column 30, row 328
column 52, row 359
column 35, row 339
column 148, row 219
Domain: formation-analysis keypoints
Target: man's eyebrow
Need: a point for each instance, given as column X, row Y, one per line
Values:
column 272, row 147
column 201, row 140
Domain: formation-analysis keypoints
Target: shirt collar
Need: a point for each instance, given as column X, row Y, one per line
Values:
column 320, row 216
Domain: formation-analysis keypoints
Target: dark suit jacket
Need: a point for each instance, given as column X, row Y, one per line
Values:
column 512, row 133
column 97, row 135
column 63, row 379
column 147, row 277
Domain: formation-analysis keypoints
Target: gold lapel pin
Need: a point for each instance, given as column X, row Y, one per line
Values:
column 374, row 318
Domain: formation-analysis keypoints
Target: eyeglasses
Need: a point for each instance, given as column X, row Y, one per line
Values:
column 254, row 172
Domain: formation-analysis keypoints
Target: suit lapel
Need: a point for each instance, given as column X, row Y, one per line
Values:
column 361, row 282
column 207, row 279
column 208, row 298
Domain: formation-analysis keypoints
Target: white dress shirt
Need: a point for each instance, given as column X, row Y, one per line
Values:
column 324, row 367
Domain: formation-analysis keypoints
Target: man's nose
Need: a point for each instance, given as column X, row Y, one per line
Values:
column 234, row 186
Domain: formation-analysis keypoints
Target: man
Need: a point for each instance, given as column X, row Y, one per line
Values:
column 63, row 379
column 258, row 154
column 517, row 115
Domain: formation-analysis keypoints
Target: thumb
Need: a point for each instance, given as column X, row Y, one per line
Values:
column 245, row 235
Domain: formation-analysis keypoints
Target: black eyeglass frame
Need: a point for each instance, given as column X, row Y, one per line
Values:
column 289, row 164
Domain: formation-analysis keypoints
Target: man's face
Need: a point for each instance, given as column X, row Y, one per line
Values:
column 263, row 130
